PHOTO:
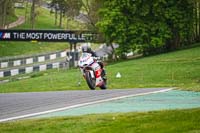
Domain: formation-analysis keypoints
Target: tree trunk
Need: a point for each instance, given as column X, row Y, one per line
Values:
column 56, row 16
column 11, row 7
column 33, row 14
column 4, row 13
column 1, row 14
column 6, row 9
column 196, row 16
column 26, row 11
column 199, row 20
column 61, row 16
column 113, row 52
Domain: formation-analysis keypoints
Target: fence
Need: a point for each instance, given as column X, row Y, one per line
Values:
column 27, row 64
column 8, row 62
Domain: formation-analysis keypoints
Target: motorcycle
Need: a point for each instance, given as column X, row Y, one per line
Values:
column 92, row 71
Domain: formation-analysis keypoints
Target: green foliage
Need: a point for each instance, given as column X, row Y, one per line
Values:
column 6, row 12
column 44, row 19
column 90, row 9
column 69, row 8
column 146, row 24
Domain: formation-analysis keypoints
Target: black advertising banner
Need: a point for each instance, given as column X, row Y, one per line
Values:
column 47, row 35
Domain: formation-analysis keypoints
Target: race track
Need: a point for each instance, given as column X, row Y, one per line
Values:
column 22, row 105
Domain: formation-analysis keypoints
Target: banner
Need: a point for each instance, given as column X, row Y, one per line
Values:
column 47, row 35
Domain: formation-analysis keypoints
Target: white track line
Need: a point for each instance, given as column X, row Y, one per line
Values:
column 79, row 105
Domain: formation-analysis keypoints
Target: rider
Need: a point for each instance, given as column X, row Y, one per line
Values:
column 87, row 49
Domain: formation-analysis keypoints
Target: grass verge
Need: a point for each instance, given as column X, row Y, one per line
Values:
column 174, row 121
column 28, row 48
column 176, row 69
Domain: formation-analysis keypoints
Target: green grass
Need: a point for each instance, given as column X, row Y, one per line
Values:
column 27, row 48
column 11, row 18
column 176, row 69
column 174, row 121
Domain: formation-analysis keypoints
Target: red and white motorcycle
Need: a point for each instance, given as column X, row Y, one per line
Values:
column 92, row 71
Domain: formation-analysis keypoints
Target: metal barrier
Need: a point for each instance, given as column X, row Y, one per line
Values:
column 41, row 62
column 7, row 62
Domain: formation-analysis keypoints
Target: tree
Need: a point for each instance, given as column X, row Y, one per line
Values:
column 69, row 8
column 54, row 5
column 91, row 12
column 196, row 15
column 72, row 9
column 6, row 9
column 33, row 14
column 148, row 26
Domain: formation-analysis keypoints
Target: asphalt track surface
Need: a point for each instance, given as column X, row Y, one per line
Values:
column 22, row 105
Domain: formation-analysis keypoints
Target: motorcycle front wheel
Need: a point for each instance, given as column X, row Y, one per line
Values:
column 90, row 81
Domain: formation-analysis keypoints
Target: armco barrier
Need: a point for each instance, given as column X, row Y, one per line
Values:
column 20, row 60
column 35, row 68
column 23, row 65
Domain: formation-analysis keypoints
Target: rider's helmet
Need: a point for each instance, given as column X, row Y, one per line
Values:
column 86, row 49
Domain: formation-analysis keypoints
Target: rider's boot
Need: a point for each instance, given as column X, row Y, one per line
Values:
column 103, row 74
